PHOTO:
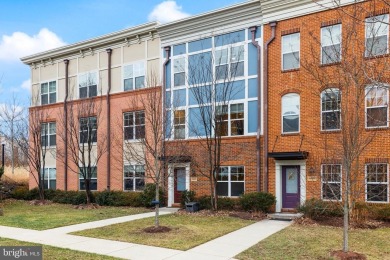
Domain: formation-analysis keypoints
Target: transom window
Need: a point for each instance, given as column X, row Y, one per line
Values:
column 91, row 175
column 179, row 72
column 179, row 124
column 331, row 44
column 330, row 109
column 331, row 181
column 88, row 130
column 49, row 178
column 230, row 123
column 134, row 125
column 48, row 134
column 377, row 184
column 229, row 62
column 290, row 51
column 377, row 35
column 290, row 113
column 48, row 93
column 133, row 177
column 377, row 103
column 231, row 181
column 88, row 85
column 134, row 76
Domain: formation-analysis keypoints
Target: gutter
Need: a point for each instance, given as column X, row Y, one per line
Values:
column 167, row 50
column 109, row 52
column 258, row 155
column 265, row 101
column 66, row 123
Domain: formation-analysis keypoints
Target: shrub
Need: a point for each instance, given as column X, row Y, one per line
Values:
column 223, row 203
column 316, row 208
column 20, row 193
column 363, row 211
column 118, row 198
column 187, row 196
column 70, row 197
column 258, row 201
column 149, row 194
column 204, row 202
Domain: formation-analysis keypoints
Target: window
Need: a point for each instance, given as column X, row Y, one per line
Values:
column 179, row 74
column 290, row 51
column 134, row 125
column 88, row 85
column 134, row 76
column 179, row 124
column 331, row 44
column 331, row 181
column 48, row 93
column 330, row 109
column 376, row 106
column 377, row 34
column 48, row 134
column 48, row 176
column 88, row 130
column 231, row 122
column 231, row 181
column 91, row 175
column 134, row 177
column 229, row 62
column 377, row 182
column 290, row 113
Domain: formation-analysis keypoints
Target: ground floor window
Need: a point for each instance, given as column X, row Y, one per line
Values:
column 231, row 181
column 92, row 177
column 377, row 184
column 133, row 177
column 331, row 181
column 49, row 178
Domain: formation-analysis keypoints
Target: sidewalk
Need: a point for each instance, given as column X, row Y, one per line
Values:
column 225, row 247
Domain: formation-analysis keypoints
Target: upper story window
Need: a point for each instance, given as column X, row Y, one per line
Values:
column 49, row 178
column 229, row 62
column 290, row 113
column 377, row 182
column 179, row 72
column 330, row 109
column 231, row 181
column 134, row 125
column 290, row 51
column 88, row 130
column 48, row 92
column 134, row 76
column 331, row 44
column 377, row 35
column 88, row 85
column 331, row 181
column 230, row 122
column 377, row 102
column 48, row 134
column 179, row 124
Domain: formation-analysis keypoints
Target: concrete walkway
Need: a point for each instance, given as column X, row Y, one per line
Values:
column 225, row 247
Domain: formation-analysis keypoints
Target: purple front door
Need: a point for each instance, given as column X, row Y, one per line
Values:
column 290, row 186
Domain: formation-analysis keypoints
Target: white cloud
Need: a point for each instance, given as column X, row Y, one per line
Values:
column 167, row 11
column 20, row 44
column 26, row 85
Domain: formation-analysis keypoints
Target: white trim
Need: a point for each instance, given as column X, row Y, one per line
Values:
column 330, row 27
column 284, row 37
column 366, row 182
column 327, row 111
column 123, row 74
column 341, row 181
column 171, row 181
column 88, row 73
column 299, row 113
column 367, row 90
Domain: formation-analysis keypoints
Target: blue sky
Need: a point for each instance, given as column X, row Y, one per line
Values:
column 27, row 27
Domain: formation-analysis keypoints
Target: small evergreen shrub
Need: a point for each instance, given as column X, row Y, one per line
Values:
column 316, row 209
column 71, row 197
column 149, row 194
column 118, row 198
column 257, row 201
column 222, row 203
column 187, row 196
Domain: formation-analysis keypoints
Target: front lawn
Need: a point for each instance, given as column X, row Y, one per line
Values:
column 21, row 214
column 187, row 230
column 316, row 242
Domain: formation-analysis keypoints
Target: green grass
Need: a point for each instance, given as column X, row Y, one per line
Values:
column 55, row 253
column 187, row 231
column 316, row 242
column 21, row 214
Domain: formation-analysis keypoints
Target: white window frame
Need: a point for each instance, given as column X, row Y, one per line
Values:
column 181, row 124
column 138, row 70
column 331, row 182
column 330, row 111
column 230, row 120
column 88, row 75
column 367, row 90
column 88, row 133
column 382, row 22
column 92, row 178
column 229, row 181
column 48, row 177
column 175, row 59
column 135, row 126
column 299, row 112
column 288, row 37
column 48, row 92
column 133, row 178
column 48, row 133
column 333, row 41
column 377, row 183
column 229, row 61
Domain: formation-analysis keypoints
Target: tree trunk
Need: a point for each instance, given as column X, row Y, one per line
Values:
column 157, row 208
column 87, row 191
column 346, row 212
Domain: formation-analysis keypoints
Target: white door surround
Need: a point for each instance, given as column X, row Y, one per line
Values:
column 171, row 180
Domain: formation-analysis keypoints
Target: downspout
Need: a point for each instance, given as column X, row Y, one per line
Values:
column 167, row 50
column 66, row 123
column 265, row 101
column 258, row 155
column 109, row 52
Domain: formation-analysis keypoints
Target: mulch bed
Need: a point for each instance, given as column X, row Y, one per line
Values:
column 87, row 206
column 339, row 222
column 340, row 254
column 257, row 216
column 160, row 229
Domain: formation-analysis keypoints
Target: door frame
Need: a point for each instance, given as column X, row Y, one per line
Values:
column 278, row 181
column 171, row 180
column 284, row 183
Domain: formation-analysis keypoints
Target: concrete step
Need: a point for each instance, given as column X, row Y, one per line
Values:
column 284, row 216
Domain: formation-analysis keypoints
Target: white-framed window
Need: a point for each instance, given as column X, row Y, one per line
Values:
column 377, row 182
column 229, row 62
column 48, row 134
column 179, row 124
column 290, row 51
column 377, row 35
column 377, row 106
column 88, row 83
column 230, row 119
column 179, row 72
column 330, row 109
column 134, row 76
column 231, row 181
column 92, row 176
column 331, row 44
column 88, row 130
column 331, row 181
column 134, row 125
column 49, row 178
column 133, row 177
column 290, row 113
column 48, row 92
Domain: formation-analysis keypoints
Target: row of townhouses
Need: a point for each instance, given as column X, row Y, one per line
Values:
column 298, row 89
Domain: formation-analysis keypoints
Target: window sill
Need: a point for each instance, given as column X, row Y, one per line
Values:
column 377, row 202
column 291, row 70
column 330, row 131
column 379, row 128
column 290, row 134
column 330, row 64
column 376, row 56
